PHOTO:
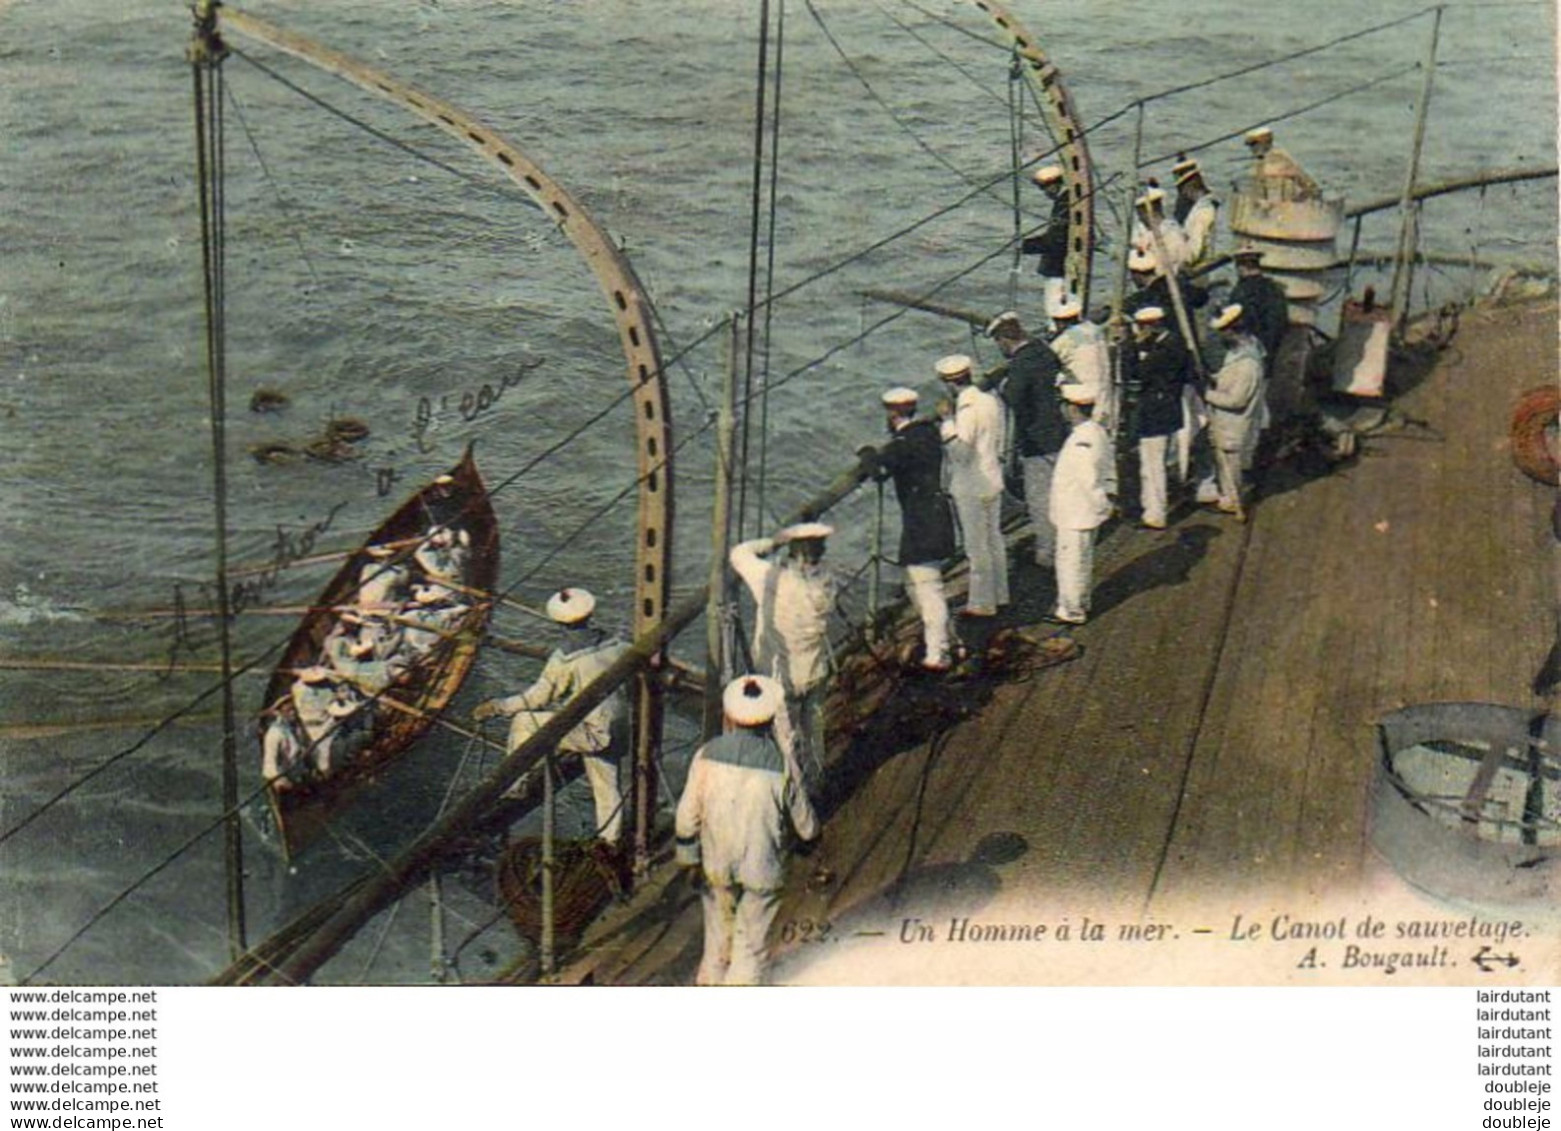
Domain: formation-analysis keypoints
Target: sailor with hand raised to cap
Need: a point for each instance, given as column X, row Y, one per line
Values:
column 583, row 655
column 914, row 458
column 973, row 432
column 794, row 597
column 731, row 825
column 1235, row 399
column 1082, row 498
column 1052, row 243
column 1158, row 366
column 1030, row 390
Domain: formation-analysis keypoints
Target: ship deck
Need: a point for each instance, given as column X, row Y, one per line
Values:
column 1213, row 746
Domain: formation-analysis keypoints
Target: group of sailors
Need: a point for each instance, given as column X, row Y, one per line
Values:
column 1057, row 412
column 411, row 596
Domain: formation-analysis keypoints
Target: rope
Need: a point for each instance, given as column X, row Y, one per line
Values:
column 761, row 87
column 890, row 110
column 769, row 268
column 265, row 169
column 949, row 59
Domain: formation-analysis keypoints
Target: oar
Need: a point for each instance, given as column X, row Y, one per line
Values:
column 318, row 559
column 23, row 664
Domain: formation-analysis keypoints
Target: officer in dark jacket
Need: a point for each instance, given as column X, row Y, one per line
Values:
column 1052, row 244
column 1039, row 425
column 913, row 457
column 1262, row 302
column 1158, row 368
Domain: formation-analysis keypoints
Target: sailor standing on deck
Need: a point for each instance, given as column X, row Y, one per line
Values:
column 1150, row 219
column 1158, row 364
column 1263, row 300
column 1235, row 397
column 1039, row 426
column 584, row 654
column 1052, row 244
column 1081, row 499
column 914, row 457
column 1277, row 175
column 1197, row 211
column 791, row 637
column 1080, row 347
column 731, row 824
column 973, row 434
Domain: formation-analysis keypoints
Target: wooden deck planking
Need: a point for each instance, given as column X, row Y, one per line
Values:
column 1256, row 727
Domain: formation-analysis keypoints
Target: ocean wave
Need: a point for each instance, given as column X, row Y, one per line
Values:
column 27, row 607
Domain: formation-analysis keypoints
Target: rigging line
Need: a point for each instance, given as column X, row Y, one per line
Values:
column 769, row 266
column 1015, row 139
column 965, row 31
column 1308, row 108
column 665, row 334
column 949, row 59
column 147, row 877
column 894, row 114
column 761, row 84
column 1291, row 57
column 271, row 181
column 373, row 130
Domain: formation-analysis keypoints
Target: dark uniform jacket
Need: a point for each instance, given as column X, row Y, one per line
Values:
column 1263, row 304
column 1159, row 369
column 914, row 457
column 1052, row 244
column 1031, row 392
column 1158, row 293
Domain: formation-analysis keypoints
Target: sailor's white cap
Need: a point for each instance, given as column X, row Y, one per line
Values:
column 752, row 700
column 379, row 552
column 444, row 480
column 899, row 396
column 1141, row 260
column 1006, row 323
column 1247, row 253
column 1047, row 174
column 1262, row 133
column 571, row 606
column 428, row 594
column 1187, row 171
column 1069, row 307
column 441, row 536
column 954, row 366
column 1149, row 315
column 1183, row 165
column 315, row 673
column 350, row 617
column 1152, row 196
column 1226, row 317
column 804, row 531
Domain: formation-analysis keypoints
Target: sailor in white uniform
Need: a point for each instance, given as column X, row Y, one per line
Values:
column 1150, row 217
column 584, row 654
column 443, row 555
column 1080, row 346
column 1235, row 400
column 313, row 695
column 283, row 746
column 382, row 582
column 1201, row 214
column 794, row 598
column 1083, row 489
column 1275, row 174
column 431, row 616
column 974, row 435
column 731, row 823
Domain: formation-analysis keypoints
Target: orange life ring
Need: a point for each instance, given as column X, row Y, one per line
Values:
column 1534, row 422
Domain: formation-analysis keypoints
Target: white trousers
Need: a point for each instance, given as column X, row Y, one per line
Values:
column 1228, row 466
column 924, row 586
column 981, row 521
column 1195, row 416
column 601, row 768
column 1075, row 566
column 737, row 919
column 1154, row 488
column 799, row 732
column 1037, row 497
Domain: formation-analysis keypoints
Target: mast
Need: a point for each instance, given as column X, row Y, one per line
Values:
column 206, row 53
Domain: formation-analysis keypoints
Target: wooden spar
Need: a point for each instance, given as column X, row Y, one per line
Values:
column 324, row 558
column 1403, row 268
column 915, row 302
column 25, row 664
column 720, row 537
column 1454, row 184
column 312, row 949
column 681, row 676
